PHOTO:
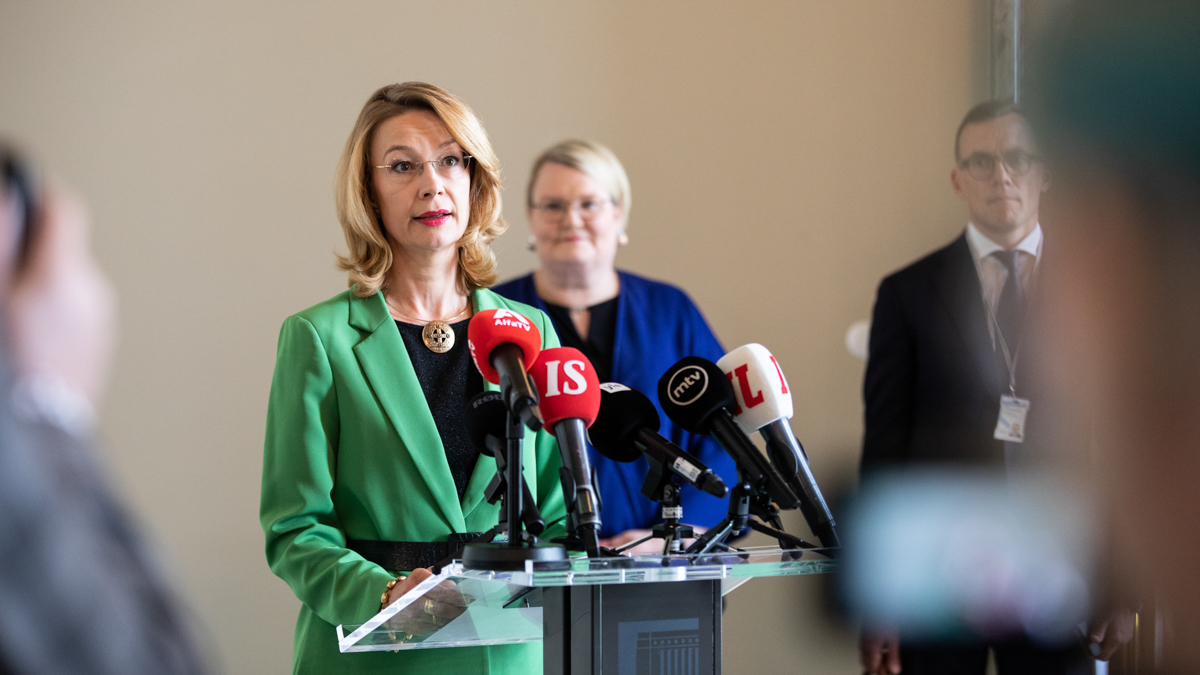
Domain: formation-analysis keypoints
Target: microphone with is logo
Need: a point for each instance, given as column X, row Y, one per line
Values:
column 569, row 396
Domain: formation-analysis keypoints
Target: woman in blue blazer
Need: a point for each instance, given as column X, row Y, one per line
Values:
column 631, row 328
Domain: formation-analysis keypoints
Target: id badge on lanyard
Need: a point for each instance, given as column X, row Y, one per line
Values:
column 1010, row 425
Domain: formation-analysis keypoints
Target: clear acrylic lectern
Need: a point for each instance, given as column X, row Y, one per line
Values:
column 614, row 615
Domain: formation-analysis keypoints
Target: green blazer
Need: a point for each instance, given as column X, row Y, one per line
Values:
column 352, row 451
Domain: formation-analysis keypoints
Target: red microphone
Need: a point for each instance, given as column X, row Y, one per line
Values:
column 569, row 395
column 567, row 386
column 501, row 343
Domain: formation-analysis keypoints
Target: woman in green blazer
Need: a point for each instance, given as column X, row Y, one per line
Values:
column 366, row 467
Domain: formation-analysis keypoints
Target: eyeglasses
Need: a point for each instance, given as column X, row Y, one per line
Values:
column 590, row 208
column 982, row 165
column 449, row 166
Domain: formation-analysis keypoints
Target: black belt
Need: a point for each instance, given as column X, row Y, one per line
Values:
column 404, row 556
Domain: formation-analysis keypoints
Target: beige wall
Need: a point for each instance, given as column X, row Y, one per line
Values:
column 784, row 156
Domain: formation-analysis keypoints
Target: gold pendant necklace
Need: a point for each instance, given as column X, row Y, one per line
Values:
column 437, row 335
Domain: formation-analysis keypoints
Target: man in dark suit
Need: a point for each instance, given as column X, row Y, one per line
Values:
column 945, row 382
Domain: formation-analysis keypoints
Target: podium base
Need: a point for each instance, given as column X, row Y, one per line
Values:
column 501, row 556
column 632, row 628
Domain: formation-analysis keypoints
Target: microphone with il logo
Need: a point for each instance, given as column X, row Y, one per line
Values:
column 764, row 404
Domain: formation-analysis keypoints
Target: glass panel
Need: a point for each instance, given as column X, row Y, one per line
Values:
column 461, row 607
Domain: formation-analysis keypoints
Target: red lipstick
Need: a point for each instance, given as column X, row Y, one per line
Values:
column 433, row 218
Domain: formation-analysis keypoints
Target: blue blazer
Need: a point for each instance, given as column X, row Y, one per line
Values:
column 657, row 324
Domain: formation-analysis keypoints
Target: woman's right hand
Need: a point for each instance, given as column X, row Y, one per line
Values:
column 438, row 607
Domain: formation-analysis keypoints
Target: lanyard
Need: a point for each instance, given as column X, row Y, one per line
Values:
column 1010, row 358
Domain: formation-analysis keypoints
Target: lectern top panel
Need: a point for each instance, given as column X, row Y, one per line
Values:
column 460, row 607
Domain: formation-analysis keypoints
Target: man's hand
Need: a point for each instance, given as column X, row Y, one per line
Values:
column 61, row 309
column 879, row 651
column 1111, row 631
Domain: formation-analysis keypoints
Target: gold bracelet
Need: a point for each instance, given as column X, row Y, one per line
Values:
column 391, row 584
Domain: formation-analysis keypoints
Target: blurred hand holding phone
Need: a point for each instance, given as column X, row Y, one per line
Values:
column 944, row 554
column 59, row 309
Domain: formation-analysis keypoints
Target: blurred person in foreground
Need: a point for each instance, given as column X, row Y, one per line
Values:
column 631, row 328
column 80, row 592
column 1118, row 95
column 367, row 467
column 950, row 377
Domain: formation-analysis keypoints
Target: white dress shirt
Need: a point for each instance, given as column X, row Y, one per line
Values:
column 993, row 274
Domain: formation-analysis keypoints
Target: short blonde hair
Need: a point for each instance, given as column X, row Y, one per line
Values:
column 593, row 159
column 369, row 257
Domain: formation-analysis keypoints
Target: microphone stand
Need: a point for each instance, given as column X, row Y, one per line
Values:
column 580, row 537
column 522, row 546
column 514, row 434
column 497, row 491
column 660, row 486
column 747, row 500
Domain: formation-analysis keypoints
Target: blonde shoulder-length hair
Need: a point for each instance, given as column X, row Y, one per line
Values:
column 369, row 257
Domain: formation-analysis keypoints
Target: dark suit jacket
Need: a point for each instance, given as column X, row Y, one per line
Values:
column 933, row 383
column 80, row 592
column 932, row 393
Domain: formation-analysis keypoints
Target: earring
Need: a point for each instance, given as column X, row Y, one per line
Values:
column 623, row 240
column 530, row 244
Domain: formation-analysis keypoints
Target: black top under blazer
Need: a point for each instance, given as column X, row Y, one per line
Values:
column 933, row 383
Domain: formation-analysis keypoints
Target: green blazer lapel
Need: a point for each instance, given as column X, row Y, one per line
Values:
column 385, row 364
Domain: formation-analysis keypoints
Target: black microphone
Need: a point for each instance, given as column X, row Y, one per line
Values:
column 627, row 428
column 486, row 420
column 697, row 396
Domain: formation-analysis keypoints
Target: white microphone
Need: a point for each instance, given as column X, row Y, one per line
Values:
column 764, row 404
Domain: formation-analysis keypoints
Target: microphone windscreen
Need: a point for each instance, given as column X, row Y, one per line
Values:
column 485, row 415
column 493, row 327
column 567, row 386
column 692, row 390
column 623, row 411
column 762, row 392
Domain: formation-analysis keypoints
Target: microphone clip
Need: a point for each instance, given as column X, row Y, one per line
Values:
column 660, row 485
column 522, row 402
